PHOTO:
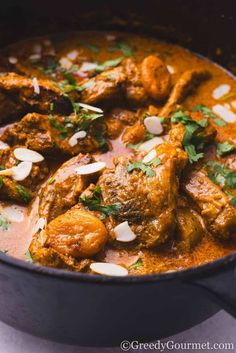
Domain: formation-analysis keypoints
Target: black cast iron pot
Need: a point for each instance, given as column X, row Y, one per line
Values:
column 102, row 311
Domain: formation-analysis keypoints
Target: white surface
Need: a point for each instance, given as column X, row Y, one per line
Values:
column 219, row 328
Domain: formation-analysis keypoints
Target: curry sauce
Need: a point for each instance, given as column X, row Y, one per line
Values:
column 137, row 139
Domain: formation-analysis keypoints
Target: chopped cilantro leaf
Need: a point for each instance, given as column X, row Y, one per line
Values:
column 4, row 222
column 109, row 63
column 232, row 198
column 28, row 257
column 92, row 47
column 126, row 49
column 62, row 129
column 135, row 265
column 1, row 181
column 23, row 193
column 93, row 203
column 225, row 148
column 51, row 180
column 145, row 168
column 208, row 113
column 221, row 175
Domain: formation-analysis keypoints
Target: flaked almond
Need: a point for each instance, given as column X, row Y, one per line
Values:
column 13, row 214
column 35, row 57
column 37, row 48
column 149, row 157
column 77, row 136
column 40, row 224
column 220, row 91
column 47, row 43
column 22, row 171
column 108, row 269
column 90, row 107
column 110, row 37
column 65, row 63
column 72, row 55
column 150, row 144
column 170, row 69
column 87, row 66
column 27, row 155
column 90, row 168
column 124, row 233
column 153, row 125
column 36, row 85
column 13, row 60
column 3, row 145
column 224, row 113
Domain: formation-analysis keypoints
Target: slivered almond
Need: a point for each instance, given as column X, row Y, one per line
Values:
column 65, row 63
column 153, row 125
column 27, row 155
column 40, row 224
column 3, row 145
column 150, row 144
column 108, row 269
column 12, row 60
column 36, row 85
column 170, row 69
column 22, row 171
column 90, row 168
column 224, row 113
column 72, row 55
column 149, row 157
column 77, row 136
column 90, row 107
column 124, row 233
column 87, row 66
column 221, row 91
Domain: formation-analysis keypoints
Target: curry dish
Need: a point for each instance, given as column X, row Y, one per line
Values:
column 117, row 154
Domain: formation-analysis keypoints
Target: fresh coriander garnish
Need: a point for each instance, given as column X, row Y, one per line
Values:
column 221, row 175
column 4, row 222
column 1, row 181
column 51, row 180
column 109, row 63
column 93, row 203
column 92, row 47
column 28, row 257
column 144, row 167
column 208, row 113
column 225, row 148
column 191, row 142
column 62, row 129
column 136, row 265
column 126, row 49
column 103, row 145
column 23, row 193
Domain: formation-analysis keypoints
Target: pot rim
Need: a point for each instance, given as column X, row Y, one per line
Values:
column 214, row 266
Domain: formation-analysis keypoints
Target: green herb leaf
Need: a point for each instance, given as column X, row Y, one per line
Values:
column 155, row 162
column 4, row 222
column 1, row 181
column 93, row 203
column 142, row 166
column 28, row 257
column 232, row 198
column 225, row 148
column 219, row 174
column 136, row 265
column 103, row 145
column 126, row 49
column 192, row 153
column 23, row 193
column 109, row 63
column 208, row 113
column 51, row 180
column 63, row 131
column 92, row 47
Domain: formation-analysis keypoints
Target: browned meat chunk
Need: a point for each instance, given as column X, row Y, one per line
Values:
column 50, row 134
column 134, row 134
column 131, row 81
column 187, row 83
column 64, row 191
column 147, row 202
column 117, row 119
column 28, row 94
column 190, row 227
column 213, row 204
column 20, row 191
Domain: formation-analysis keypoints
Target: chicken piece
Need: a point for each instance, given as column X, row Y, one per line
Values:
column 186, row 84
column 76, row 233
column 116, row 121
column 148, row 203
column 50, row 135
column 20, row 191
column 190, row 227
column 219, row 215
column 131, row 81
column 48, row 256
column 63, row 193
column 23, row 94
column 156, row 78
column 134, row 134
